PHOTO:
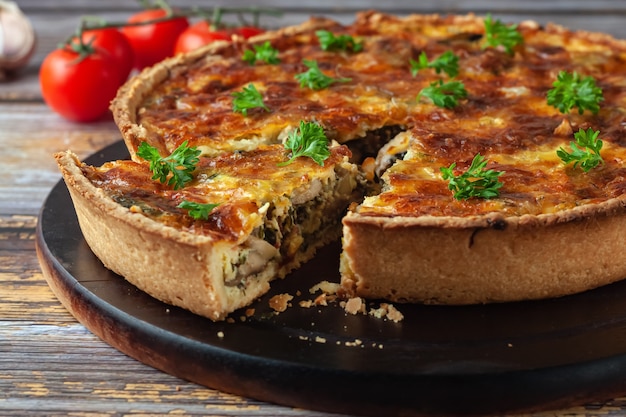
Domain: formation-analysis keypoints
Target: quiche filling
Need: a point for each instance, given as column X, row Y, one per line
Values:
column 273, row 217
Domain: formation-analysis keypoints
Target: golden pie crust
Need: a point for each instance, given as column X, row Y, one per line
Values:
column 554, row 229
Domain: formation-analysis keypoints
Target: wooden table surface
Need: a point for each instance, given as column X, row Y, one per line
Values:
column 50, row 365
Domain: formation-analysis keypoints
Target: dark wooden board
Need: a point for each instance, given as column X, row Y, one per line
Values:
column 483, row 359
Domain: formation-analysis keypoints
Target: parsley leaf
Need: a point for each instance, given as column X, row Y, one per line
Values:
column 264, row 52
column 444, row 94
column 249, row 98
column 497, row 33
column 570, row 90
column 308, row 140
column 447, row 62
column 198, row 211
column 585, row 151
column 475, row 182
column 180, row 164
column 314, row 78
column 331, row 42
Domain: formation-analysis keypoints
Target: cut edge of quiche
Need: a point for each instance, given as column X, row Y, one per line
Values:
column 216, row 266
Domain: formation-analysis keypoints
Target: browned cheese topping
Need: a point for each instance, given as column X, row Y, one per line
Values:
column 241, row 183
column 505, row 116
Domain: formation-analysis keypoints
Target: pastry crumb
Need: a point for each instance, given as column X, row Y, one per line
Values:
column 220, row 334
column 354, row 305
column 326, row 287
column 355, row 343
column 280, row 302
column 306, row 303
column 388, row 311
column 394, row 314
column 321, row 300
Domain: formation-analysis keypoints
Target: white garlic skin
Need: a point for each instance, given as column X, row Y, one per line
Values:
column 17, row 37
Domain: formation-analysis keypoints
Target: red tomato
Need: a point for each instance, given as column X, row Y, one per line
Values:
column 197, row 35
column 155, row 41
column 78, row 89
column 111, row 41
column 249, row 31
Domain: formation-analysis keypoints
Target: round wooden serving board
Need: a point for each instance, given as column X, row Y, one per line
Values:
column 480, row 359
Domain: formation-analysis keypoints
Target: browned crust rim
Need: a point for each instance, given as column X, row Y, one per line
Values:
column 607, row 208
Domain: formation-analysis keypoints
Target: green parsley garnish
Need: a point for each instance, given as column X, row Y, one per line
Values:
column 315, row 79
column 570, row 90
column 180, row 164
column 497, row 33
column 475, row 182
column 264, row 52
column 249, row 98
column 447, row 62
column 330, row 42
column 198, row 211
column 444, row 94
column 308, row 140
column 585, row 151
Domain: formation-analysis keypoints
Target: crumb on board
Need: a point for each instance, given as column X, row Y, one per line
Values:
column 387, row 310
column 306, row 303
column 280, row 302
column 321, row 300
column 330, row 293
column 356, row 342
column 354, row 305
column 393, row 313
column 326, row 287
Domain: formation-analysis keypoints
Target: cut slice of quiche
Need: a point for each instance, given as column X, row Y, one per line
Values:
column 257, row 221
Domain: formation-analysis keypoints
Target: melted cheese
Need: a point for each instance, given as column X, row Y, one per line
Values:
column 243, row 184
column 505, row 118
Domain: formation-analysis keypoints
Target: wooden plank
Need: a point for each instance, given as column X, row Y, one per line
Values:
column 59, row 376
column 332, row 5
column 29, row 171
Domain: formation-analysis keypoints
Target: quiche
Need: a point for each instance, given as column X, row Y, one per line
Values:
column 409, row 108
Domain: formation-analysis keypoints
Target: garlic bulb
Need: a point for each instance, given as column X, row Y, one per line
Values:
column 17, row 37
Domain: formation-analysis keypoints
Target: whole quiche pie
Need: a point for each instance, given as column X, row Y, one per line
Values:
column 460, row 159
